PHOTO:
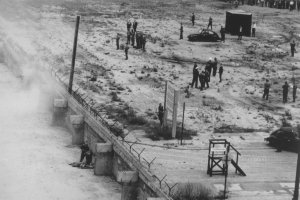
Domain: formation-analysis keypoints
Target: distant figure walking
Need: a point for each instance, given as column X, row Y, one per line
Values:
column 161, row 114
column 294, row 91
column 118, row 41
column 220, row 72
column 181, row 32
column 210, row 20
column 193, row 19
column 240, row 33
column 195, row 76
column 222, row 31
column 285, row 88
column 293, row 49
column 253, row 29
column 126, row 51
column 266, row 90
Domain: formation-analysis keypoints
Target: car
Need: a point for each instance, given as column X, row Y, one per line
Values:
column 206, row 35
column 285, row 138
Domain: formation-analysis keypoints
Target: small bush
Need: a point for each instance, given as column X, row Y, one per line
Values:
column 192, row 191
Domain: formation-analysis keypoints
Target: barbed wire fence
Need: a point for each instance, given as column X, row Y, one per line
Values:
column 134, row 148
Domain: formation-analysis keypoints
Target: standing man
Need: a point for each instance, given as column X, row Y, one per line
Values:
column 202, row 80
column 207, row 78
column 293, row 49
column 266, row 89
column 220, row 72
column 253, row 29
column 285, row 88
column 144, row 42
column 215, row 66
column 161, row 114
column 209, row 23
column 294, row 91
column 138, row 40
column 208, row 67
column 128, row 37
column 222, row 31
column 193, row 19
column 195, row 76
column 240, row 33
column 132, row 33
column 128, row 25
column 134, row 25
column 181, row 32
column 118, row 41
column 126, row 51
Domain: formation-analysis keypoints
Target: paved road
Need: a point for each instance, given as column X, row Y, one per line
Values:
column 270, row 175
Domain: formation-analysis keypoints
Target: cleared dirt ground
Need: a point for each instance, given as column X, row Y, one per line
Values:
column 44, row 29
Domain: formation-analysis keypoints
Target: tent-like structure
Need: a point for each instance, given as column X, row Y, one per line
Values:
column 237, row 18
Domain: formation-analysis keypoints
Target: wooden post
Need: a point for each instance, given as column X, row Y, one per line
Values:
column 296, row 191
column 165, row 106
column 174, row 117
column 182, row 123
column 74, row 55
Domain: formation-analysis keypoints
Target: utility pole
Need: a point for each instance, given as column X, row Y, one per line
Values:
column 74, row 55
column 296, row 191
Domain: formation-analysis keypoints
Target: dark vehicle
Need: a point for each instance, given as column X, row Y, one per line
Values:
column 206, row 35
column 286, row 138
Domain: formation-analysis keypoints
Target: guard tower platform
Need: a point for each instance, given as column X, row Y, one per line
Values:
column 218, row 157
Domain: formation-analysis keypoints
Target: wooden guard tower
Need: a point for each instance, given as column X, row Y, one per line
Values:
column 217, row 154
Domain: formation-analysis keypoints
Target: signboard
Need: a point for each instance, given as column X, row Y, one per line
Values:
column 171, row 105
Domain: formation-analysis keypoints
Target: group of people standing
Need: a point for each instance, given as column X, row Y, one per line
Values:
column 285, row 91
column 132, row 37
column 211, row 68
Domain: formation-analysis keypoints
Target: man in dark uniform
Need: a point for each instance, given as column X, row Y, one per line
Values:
column 266, row 89
column 161, row 114
column 195, row 76
column 220, row 72
column 207, row 79
column 144, row 42
column 193, row 19
column 128, row 25
column 137, row 36
column 294, row 91
column 134, row 25
column 293, row 49
column 118, row 41
column 222, row 31
column 208, row 67
column 84, row 148
column 285, row 88
column 181, row 32
column 202, row 80
column 215, row 67
column 209, row 23
column 126, row 51
column 128, row 37
column 132, row 33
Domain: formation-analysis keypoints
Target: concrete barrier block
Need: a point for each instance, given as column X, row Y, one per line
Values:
column 60, row 103
column 104, row 147
column 76, row 119
column 127, row 176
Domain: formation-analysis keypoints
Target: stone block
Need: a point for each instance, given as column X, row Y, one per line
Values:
column 60, row 103
column 104, row 147
column 127, row 176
